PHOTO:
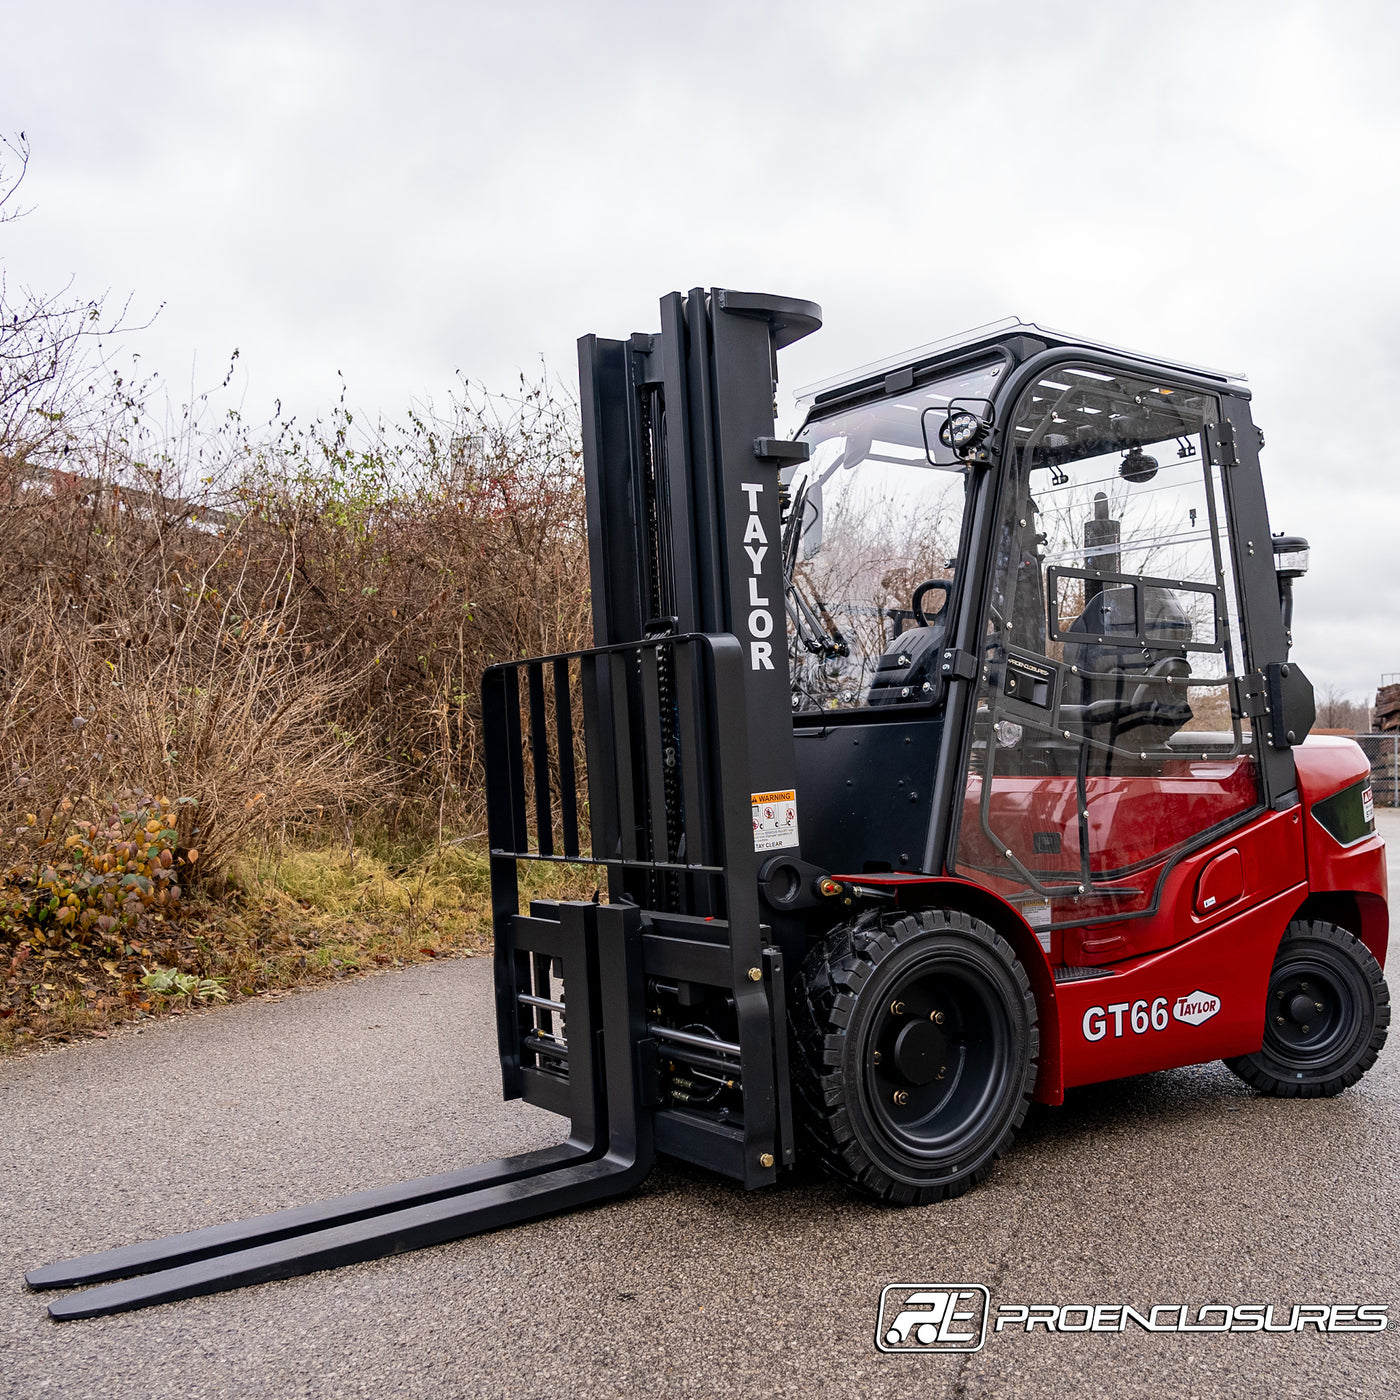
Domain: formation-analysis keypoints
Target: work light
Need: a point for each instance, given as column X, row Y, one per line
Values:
column 961, row 431
column 1290, row 556
column 1290, row 562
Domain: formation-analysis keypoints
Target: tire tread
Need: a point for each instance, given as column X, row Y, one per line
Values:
column 823, row 1001
column 1252, row 1069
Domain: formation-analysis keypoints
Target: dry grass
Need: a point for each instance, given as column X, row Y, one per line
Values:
column 287, row 919
column 310, row 626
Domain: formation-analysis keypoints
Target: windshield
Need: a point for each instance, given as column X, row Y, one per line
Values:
column 873, row 524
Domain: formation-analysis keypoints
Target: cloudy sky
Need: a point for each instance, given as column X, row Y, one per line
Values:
column 400, row 192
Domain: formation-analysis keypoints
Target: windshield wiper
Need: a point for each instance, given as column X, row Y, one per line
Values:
column 813, row 624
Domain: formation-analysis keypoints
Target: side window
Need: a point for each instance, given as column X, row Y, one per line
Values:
column 869, row 539
column 1108, row 733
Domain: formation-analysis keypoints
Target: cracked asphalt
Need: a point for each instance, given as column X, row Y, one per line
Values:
column 1178, row 1187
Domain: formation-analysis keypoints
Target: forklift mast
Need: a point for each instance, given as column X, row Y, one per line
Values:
column 684, row 510
column 687, row 733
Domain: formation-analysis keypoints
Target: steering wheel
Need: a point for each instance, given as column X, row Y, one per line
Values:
column 922, row 591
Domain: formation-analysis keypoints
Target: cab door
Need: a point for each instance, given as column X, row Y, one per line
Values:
column 1112, row 756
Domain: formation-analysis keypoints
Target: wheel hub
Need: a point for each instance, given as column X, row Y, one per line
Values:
column 1311, row 1014
column 920, row 1053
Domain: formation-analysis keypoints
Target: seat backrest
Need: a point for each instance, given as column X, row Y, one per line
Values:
column 1135, row 675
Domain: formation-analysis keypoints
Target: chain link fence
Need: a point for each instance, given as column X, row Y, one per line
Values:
column 1383, row 752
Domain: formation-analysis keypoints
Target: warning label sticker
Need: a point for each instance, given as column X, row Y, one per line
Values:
column 774, row 820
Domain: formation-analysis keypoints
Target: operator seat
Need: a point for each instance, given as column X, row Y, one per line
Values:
column 1132, row 693
column 908, row 666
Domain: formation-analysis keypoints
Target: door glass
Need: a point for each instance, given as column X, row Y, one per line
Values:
column 1108, row 734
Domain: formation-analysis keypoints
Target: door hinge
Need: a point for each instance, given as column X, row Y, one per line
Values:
column 1283, row 695
column 1220, row 444
column 1254, row 699
column 960, row 664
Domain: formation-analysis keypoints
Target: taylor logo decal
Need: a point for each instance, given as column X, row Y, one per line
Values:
column 1196, row 1008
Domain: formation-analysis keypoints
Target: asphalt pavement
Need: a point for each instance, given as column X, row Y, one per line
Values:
column 1183, row 1187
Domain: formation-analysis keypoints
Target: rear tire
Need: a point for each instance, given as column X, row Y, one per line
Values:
column 961, row 1049
column 1326, row 1017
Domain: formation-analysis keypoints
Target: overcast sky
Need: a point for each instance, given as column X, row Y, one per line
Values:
column 405, row 191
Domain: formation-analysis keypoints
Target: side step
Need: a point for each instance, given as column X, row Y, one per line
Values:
column 609, row 1151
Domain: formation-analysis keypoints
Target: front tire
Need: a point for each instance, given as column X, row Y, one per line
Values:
column 916, row 1053
column 1326, row 1017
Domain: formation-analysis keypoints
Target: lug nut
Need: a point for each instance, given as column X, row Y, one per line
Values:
column 1305, row 1030
column 1318, row 1004
column 877, row 1057
column 896, row 1008
column 1278, row 1020
column 936, row 1017
column 901, row 1097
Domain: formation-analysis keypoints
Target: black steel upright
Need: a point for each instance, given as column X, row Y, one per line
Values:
column 682, row 470
column 686, row 722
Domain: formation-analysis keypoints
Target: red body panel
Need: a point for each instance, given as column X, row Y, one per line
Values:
column 1327, row 764
column 1187, row 983
column 1220, row 885
column 1223, row 974
column 1131, row 819
column 1271, row 860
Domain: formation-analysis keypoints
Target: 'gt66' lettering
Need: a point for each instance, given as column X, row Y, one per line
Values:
column 1139, row 1016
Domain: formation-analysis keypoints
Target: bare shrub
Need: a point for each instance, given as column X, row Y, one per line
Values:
column 421, row 557
column 125, row 667
column 307, row 629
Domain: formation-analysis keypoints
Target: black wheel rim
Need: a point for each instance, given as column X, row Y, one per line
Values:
column 1313, row 1013
column 936, row 1059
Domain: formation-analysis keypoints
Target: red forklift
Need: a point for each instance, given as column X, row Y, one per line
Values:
column 943, row 758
